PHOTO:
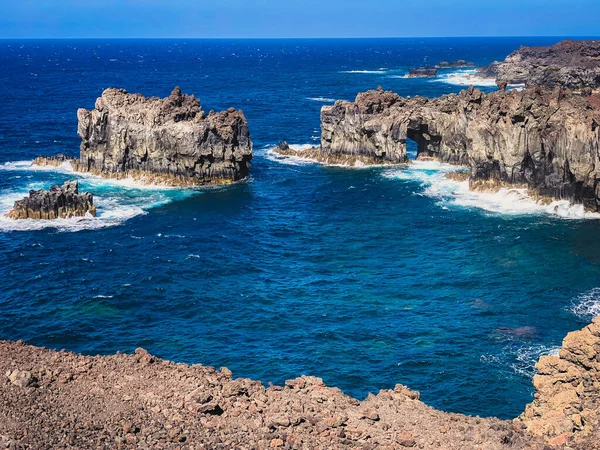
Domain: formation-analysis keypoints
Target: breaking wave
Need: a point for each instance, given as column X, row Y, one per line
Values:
column 116, row 201
column 587, row 305
column 510, row 201
column 321, row 99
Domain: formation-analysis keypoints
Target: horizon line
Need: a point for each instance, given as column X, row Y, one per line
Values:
column 296, row 37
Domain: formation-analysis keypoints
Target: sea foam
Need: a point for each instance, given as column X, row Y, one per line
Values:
column 116, row 200
column 510, row 201
column 587, row 305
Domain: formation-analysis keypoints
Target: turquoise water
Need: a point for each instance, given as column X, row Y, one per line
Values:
column 364, row 277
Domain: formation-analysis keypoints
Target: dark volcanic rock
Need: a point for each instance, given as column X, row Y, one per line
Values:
column 423, row 72
column 546, row 139
column 169, row 141
column 59, row 202
column 459, row 64
column 570, row 64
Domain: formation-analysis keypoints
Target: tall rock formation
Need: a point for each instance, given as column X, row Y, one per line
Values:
column 60, row 202
column 547, row 140
column 169, row 141
column 569, row 64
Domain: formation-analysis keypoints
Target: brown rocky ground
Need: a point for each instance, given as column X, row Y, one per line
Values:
column 51, row 399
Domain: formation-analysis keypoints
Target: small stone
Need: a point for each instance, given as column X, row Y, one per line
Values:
column 406, row 440
column 276, row 443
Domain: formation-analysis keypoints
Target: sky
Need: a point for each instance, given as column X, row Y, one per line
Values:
column 294, row 18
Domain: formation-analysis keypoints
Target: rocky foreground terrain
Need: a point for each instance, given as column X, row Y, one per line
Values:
column 569, row 64
column 52, row 399
column 169, row 141
column 60, row 202
column 545, row 139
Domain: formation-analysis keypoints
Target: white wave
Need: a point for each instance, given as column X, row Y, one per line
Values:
column 114, row 204
column 110, row 212
column 379, row 71
column 465, row 78
column 587, row 305
column 511, row 201
column 321, row 99
column 67, row 169
column 295, row 160
column 527, row 357
column 103, row 296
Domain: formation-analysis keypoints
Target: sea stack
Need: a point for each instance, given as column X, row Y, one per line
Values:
column 60, row 202
column 169, row 141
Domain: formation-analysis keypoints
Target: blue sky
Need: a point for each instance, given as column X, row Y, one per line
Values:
column 290, row 18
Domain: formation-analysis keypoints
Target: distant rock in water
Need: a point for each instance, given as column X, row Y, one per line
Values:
column 459, row 64
column 423, row 72
column 571, row 64
column 60, row 202
column 169, row 141
column 547, row 140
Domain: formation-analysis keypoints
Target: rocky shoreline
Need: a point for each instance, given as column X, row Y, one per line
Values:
column 60, row 202
column 140, row 401
column 545, row 139
column 168, row 142
column 568, row 64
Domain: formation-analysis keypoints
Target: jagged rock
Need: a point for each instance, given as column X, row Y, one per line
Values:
column 567, row 401
column 20, row 378
column 169, row 141
column 570, row 64
column 459, row 64
column 545, row 139
column 59, row 202
column 422, row 72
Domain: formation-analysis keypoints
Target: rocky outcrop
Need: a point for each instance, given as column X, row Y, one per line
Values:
column 546, row 140
column 570, row 64
column 566, row 408
column 169, row 141
column 52, row 399
column 60, row 202
column 422, row 72
column 459, row 64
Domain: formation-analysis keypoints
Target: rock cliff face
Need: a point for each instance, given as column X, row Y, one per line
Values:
column 169, row 141
column 570, row 64
column 60, row 202
column 547, row 140
column 567, row 401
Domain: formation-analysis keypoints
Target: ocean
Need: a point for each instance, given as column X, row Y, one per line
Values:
column 365, row 277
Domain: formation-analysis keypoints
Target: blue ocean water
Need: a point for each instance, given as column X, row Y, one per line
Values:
column 364, row 277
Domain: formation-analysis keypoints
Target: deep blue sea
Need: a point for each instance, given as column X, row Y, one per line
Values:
column 366, row 277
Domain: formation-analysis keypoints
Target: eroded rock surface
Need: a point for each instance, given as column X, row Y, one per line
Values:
column 570, row 64
column 54, row 399
column 545, row 139
column 60, row 202
column 169, row 141
column 567, row 402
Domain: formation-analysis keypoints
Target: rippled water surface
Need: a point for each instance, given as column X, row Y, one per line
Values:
column 364, row 277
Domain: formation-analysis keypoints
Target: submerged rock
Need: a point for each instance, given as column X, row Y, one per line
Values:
column 60, row 202
column 545, row 139
column 169, row 141
column 570, row 64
